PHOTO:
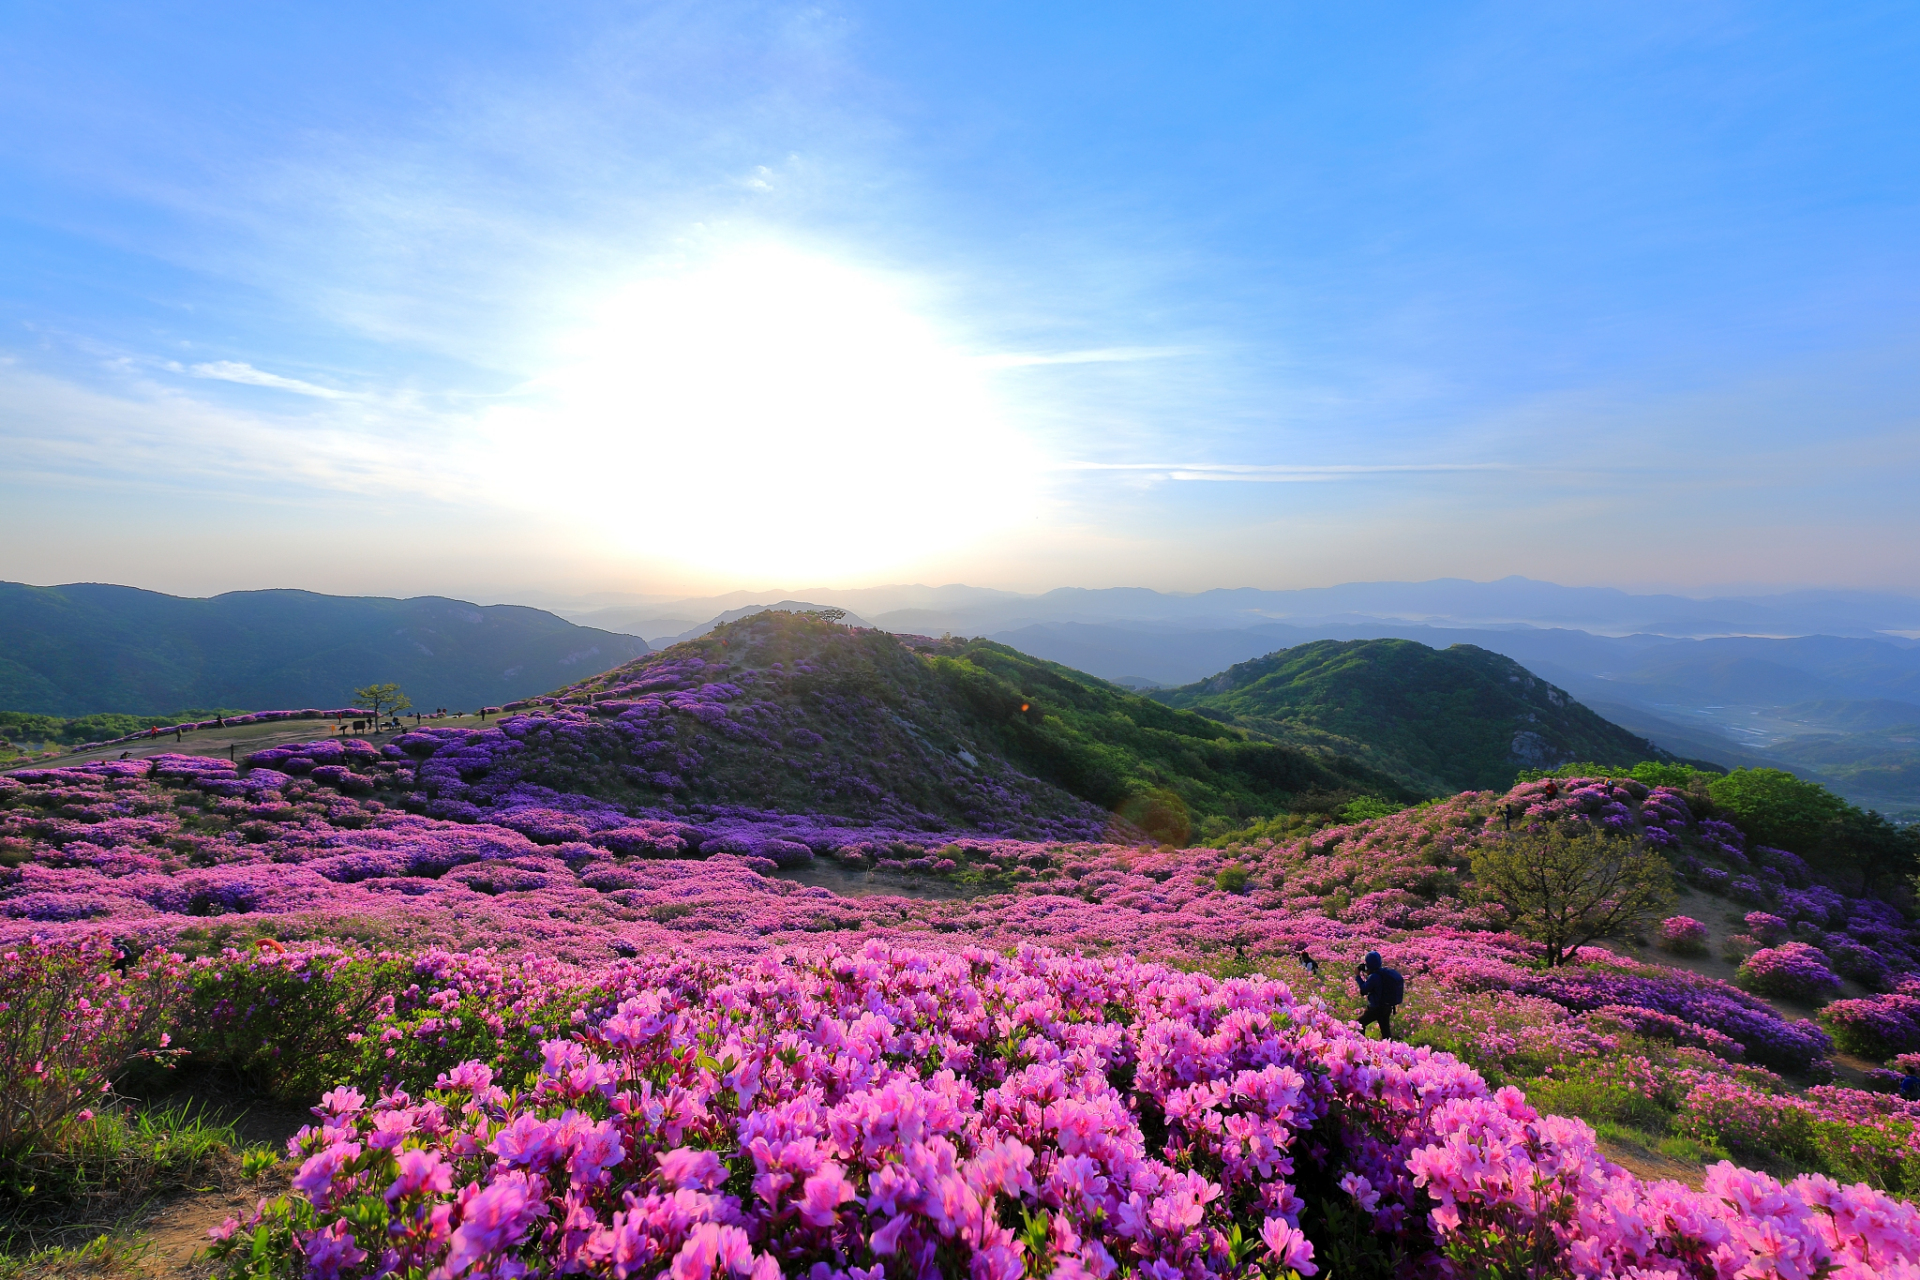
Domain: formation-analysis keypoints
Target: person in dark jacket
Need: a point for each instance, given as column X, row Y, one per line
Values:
column 1384, row 989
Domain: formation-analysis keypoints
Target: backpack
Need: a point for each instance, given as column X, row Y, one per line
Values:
column 1392, row 988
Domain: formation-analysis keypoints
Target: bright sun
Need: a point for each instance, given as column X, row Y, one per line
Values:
column 774, row 413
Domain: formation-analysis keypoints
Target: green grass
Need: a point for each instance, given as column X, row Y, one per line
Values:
column 101, row 1171
column 102, row 1256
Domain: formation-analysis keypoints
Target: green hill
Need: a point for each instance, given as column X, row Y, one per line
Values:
column 1437, row 720
column 87, row 648
column 788, row 712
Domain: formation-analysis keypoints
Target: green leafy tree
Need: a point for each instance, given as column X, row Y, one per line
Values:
column 1369, row 807
column 1570, row 884
column 1881, row 855
column 1774, row 807
column 1858, row 851
column 387, row 696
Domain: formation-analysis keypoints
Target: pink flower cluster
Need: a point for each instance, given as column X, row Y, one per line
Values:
column 1683, row 935
column 73, row 1013
column 850, row 1113
column 1872, row 1131
column 1876, row 1027
column 1793, row 970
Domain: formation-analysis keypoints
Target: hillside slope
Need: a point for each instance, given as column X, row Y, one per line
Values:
column 88, row 647
column 1438, row 720
column 786, row 712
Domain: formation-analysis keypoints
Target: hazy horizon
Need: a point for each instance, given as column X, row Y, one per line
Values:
column 677, row 300
column 583, row 602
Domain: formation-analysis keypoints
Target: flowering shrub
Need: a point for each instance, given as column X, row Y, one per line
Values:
column 1862, row 964
column 1683, row 935
column 1521, row 1194
column 70, row 1019
column 1793, row 971
column 852, row 1112
column 1770, row 930
column 299, row 1021
column 1876, row 1028
column 1765, row 1037
column 1848, row 1132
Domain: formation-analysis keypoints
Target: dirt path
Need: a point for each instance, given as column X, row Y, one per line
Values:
column 1651, row 1166
column 174, row 1230
column 245, row 738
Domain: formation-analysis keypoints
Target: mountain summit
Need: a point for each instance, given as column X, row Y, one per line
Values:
column 1439, row 720
column 791, row 712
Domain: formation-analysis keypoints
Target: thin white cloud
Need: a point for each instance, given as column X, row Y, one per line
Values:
column 239, row 371
column 1280, row 474
column 1100, row 355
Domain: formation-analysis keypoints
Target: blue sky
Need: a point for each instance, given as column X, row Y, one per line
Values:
column 489, row 300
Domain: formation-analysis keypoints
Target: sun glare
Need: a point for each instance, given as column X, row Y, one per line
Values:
column 772, row 411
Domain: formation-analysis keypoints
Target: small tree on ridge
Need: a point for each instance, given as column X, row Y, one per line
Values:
column 1570, row 884
column 383, row 695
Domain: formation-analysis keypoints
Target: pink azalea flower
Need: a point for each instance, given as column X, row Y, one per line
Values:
column 1289, row 1245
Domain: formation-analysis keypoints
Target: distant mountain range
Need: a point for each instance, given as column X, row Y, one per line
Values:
column 85, row 648
column 1824, row 683
column 1445, row 602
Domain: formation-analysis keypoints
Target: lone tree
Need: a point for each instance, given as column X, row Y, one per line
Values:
column 1570, row 884
column 383, row 695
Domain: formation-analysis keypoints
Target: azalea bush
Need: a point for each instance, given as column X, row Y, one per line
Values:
column 1877, row 1028
column 861, row 1112
column 338, row 898
column 298, row 1021
column 1770, row 930
column 1683, row 935
column 1849, row 1133
column 71, row 1018
column 1793, row 971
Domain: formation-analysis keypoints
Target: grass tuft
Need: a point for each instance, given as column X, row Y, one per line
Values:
column 98, row 1176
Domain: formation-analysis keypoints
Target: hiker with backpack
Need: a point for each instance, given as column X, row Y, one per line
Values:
column 1383, row 989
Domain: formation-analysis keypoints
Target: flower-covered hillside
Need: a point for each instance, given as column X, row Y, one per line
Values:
column 785, row 711
column 321, row 845
column 867, row 1111
column 877, row 1112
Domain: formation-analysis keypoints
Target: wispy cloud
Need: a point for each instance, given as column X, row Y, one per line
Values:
column 1100, row 355
column 239, row 371
column 1279, row 474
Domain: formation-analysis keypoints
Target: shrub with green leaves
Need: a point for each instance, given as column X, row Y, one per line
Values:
column 70, row 1019
column 299, row 1021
